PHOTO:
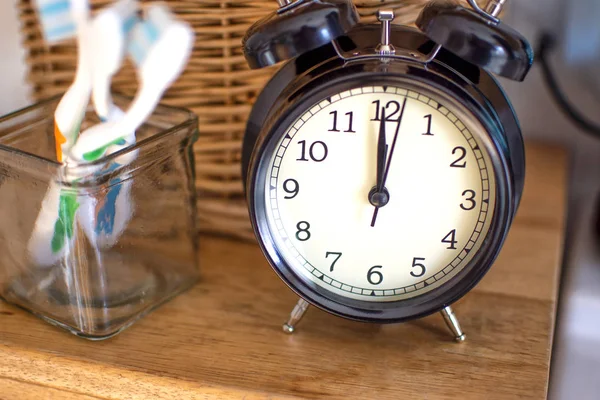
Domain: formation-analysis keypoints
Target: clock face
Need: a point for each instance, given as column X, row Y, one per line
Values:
column 321, row 185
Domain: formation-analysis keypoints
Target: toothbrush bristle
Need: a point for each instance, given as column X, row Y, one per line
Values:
column 144, row 34
column 138, row 43
column 160, row 16
column 128, row 10
column 129, row 23
column 56, row 20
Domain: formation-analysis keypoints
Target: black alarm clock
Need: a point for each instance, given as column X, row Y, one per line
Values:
column 383, row 165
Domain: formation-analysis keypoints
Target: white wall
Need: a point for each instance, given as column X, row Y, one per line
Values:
column 14, row 91
column 540, row 118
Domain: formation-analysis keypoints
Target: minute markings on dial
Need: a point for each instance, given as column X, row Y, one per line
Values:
column 429, row 279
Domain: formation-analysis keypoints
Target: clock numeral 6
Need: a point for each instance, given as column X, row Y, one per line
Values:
column 337, row 257
column 317, row 151
column 462, row 154
column 303, row 234
column 421, row 267
column 470, row 198
column 293, row 191
column 375, row 277
column 450, row 238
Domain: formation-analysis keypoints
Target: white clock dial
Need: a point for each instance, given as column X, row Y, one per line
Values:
column 441, row 194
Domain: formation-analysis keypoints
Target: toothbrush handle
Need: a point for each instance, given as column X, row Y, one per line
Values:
column 143, row 105
column 102, row 100
column 68, row 116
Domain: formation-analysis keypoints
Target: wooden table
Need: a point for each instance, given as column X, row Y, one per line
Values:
column 223, row 338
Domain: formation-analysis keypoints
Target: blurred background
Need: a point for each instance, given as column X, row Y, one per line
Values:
column 575, row 61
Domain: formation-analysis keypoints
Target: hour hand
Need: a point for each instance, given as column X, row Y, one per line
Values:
column 381, row 152
column 378, row 196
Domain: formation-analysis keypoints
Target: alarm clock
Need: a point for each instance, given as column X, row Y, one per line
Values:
column 383, row 165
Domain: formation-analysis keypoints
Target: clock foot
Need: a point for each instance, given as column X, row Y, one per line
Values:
column 453, row 325
column 295, row 316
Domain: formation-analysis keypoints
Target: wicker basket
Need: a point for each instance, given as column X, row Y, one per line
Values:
column 217, row 85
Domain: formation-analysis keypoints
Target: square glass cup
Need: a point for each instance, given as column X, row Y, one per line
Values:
column 91, row 248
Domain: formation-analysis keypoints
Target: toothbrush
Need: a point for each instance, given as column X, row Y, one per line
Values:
column 62, row 19
column 109, row 31
column 110, row 216
column 104, row 218
column 54, row 228
column 160, row 47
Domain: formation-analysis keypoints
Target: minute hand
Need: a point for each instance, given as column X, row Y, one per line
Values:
column 391, row 155
column 381, row 184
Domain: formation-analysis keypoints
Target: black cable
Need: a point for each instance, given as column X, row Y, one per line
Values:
column 546, row 44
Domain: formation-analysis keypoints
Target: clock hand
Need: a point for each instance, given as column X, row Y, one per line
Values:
column 377, row 195
column 381, row 152
column 389, row 161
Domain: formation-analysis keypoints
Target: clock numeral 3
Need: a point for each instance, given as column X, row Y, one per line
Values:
column 389, row 115
column 462, row 154
column 337, row 257
column 428, row 133
column 303, row 233
column 317, row 151
column 293, row 191
column 421, row 271
column 470, row 199
column 450, row 238
column 375, row 277
column 335, row 121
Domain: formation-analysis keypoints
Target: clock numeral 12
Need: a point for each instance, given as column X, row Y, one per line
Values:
column 313, row 152
column 388, row 114
column 337, row 257
column 335, row 122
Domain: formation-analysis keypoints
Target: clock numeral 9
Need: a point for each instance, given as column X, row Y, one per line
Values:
column 450, row 238
column 335, row 120
column 388, row 115
column 462, row 154
column 293, row 191
column 421, row 271
column 375, row 277
column 470, row 199
column 303, row 233
column 337, row 257
column 317, row 151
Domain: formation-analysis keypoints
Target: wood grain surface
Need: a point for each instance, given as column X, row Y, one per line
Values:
column 223, row 338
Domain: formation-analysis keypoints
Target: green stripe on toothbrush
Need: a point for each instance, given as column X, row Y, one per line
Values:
column 99, row 152
column 63, row 228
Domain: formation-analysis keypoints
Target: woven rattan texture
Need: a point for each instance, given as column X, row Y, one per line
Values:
column 217, row 86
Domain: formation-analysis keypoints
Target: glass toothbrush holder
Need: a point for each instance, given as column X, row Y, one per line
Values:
column 92, row 248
